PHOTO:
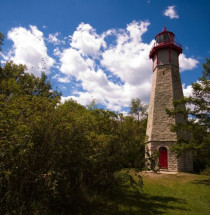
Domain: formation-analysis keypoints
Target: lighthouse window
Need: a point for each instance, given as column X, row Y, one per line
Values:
column 163, row 38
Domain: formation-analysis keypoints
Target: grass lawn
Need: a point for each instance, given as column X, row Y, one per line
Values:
column 178, row 194
column 162, row 194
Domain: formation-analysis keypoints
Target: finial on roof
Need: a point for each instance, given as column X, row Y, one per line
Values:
column 164, row 28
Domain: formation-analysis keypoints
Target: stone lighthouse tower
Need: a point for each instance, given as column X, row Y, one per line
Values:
column 166, row 87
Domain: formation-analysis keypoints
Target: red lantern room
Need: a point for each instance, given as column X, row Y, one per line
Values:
column 165, row 50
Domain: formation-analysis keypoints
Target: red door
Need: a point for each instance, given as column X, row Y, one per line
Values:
column 163, row 159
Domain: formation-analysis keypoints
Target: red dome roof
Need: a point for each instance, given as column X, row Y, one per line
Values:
column 164, row 40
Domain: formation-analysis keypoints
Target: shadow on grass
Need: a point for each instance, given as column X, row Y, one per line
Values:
column 133, row 203
column 204, row 182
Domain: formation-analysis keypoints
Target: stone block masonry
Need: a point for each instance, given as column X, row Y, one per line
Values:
column 166, row 87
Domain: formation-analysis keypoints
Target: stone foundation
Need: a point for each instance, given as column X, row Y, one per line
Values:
column 175, row 164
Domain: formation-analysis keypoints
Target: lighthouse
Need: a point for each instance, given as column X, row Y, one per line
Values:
column 166, row 87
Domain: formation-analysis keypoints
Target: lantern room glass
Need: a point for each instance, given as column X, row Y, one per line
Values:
column 165, row 38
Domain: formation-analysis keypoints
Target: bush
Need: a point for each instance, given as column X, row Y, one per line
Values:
column 53, row 156
column 206, row 171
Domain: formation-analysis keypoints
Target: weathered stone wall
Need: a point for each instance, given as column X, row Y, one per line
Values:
column 172, row 159
column 184, row 163
column 151, row 108
column 166, row 87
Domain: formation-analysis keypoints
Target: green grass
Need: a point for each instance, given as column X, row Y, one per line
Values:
column 162, row 194
column 179, row 194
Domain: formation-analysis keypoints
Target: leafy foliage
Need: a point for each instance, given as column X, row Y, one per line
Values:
column 137, row 108
column 53, row 156
column 1, row 39
column 14, row 81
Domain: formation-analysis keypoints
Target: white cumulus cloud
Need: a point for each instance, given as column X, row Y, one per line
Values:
column 29, row 48
column 111, row 73
column 188, row 91
column 87, row 41
column 187, row 63
column 129, row 58
column 72, row 64
column 123, row 70
column 53, row 38
column 137, row 29
column 171, row 12
column 112, row 67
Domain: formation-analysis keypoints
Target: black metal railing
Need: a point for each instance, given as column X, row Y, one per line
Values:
column 167, row 43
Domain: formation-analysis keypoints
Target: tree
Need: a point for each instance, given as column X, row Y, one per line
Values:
column 14, row 81
column 195, row 132
column 137, row 108
column 53, row 156
column 27, row 106
column 92, row 105
column 1, row 40
column 132, row 137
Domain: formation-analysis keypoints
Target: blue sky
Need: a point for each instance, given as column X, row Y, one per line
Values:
column 98, row 49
